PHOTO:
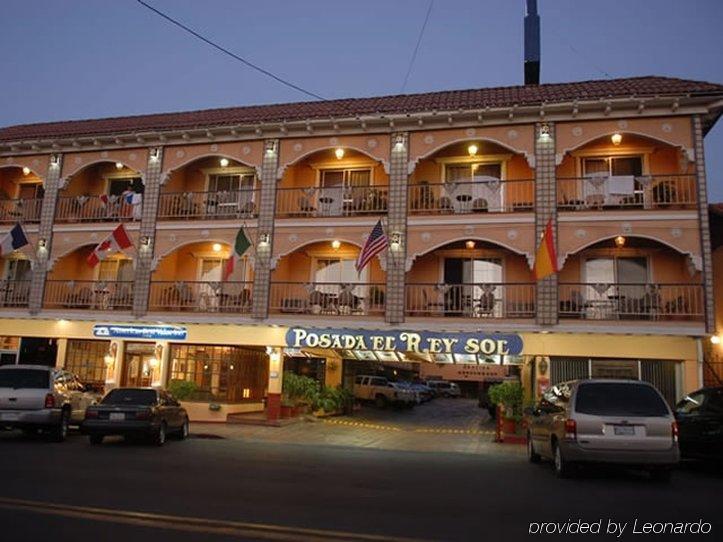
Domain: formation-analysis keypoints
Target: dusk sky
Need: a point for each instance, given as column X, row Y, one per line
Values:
column 71, row 59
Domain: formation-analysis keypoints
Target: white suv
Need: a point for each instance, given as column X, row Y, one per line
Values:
column 442, row 388
column 382, row 392
column 36, row 397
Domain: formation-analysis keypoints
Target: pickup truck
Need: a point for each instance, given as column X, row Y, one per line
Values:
column 382, row 392
column 36, row 397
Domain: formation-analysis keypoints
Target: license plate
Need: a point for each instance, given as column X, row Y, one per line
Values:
column 117, row 416
column 624, row 430
column 9, row 417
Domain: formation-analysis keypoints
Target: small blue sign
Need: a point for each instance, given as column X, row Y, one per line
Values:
column 112, row 331
column 406, row 341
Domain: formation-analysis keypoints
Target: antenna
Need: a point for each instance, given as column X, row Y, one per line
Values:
column 532, row 44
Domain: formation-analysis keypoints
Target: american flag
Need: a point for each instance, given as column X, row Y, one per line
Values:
column 376, row 242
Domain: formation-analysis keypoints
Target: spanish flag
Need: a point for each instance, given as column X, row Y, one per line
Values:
column 546, row 257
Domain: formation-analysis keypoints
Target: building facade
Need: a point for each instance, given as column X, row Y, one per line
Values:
column 464, row 182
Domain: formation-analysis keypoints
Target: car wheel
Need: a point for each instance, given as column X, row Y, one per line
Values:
column 661, row 475
column 95, row 440
column 60, row 432
column 532, row 456
column 183, row 432
column 159, row 439
column 380, row 401
column 562, row 466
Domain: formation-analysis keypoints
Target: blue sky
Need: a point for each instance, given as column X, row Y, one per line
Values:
column 68, row 59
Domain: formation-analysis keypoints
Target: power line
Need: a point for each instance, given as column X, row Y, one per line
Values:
column 592, row 64
column 229, row 53
column 416, row 47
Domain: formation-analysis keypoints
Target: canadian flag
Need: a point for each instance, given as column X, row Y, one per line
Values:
column 115, row 242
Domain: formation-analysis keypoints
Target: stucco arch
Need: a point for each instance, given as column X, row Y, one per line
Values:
column 157, row 258
column 344, row 239
column 412, row 165
column 411, row 257
column 166, row 173
column 690, row 152
column 68, row 251
column 18, row 165
column 67, row 177
column 283, row 166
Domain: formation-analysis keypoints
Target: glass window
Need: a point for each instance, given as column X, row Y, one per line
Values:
column 86, row 359
column 345, row 177
column 116, row 187
column 624, row 165
column 229, row 374
column 116, row 270
column 617, row 399
column 691, row 403
column 465, row 172
column 24, row 378
column 230, row 183
column 18, row 269
column 128, row 396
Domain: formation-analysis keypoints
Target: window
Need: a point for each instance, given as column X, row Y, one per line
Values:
column 692, row 403
column 465, row 172
column 18, row 269
column 231, row 183
column 86, row 359
column 330, row 273
column 627, row 270
column 116, row 187
column 130, row 397
column 230, row 374
column 120, row 270
column 345, row 177
column 24, row 378
column 614, row 399
column 624, row 165
column 28, row 191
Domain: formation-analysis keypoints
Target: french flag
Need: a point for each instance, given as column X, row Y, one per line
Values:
column 14, row 240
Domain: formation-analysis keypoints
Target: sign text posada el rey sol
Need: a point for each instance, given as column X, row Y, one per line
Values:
column 406, row 341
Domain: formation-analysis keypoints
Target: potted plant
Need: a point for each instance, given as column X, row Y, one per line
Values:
column 183, row 390
column 508, row 396
column 297, row 393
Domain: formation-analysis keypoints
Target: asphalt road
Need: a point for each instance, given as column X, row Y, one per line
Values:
column 242, row 490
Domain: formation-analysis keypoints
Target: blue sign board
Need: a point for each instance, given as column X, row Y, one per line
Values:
column 111, row 331
column 406, row 341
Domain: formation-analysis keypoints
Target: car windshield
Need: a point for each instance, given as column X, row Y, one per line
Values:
column 130, row 397
column 24, row 378
column 619, row 399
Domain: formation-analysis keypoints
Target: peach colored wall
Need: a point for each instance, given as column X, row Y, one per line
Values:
column 73, row 266
column 92, row 180
column 37, row 163
column 182, row 264
column 246, row 152
column 136, row 159
column 192, row 178
column 10, row 180
column 428, row 269
column 296, row 267
column 303, row 174
column 168, row 241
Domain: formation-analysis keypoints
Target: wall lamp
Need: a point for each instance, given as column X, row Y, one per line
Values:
column 55, row 160
column 545, row 132
column 264, row 240
column 395, row 241
column 270, row 146
column 155, row 154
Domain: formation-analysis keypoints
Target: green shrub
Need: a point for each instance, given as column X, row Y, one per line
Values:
column 298, row 390
column 182, row 390
column 508, row 395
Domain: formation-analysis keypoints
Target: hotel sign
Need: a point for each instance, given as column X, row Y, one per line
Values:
column 406, row 341
column 111, row 331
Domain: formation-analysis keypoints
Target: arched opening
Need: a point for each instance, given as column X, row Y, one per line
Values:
column 21, row 195
column 626, row 171
column 321, row 278
column 196, row 277
column 472, row 176
column 101, row 192
column 470, row 278
column 73, row 283
column 210, row 188
column 333, row 182
column 17, row 275
column 630, row 278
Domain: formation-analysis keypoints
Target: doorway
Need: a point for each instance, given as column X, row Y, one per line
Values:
column 137, row 368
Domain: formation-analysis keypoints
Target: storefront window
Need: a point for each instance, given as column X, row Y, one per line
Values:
column 86, row 359
column 226, row 374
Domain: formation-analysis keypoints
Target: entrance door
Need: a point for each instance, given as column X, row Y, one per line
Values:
column 137, row 370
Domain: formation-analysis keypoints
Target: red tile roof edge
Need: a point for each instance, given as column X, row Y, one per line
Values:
column 448, row 100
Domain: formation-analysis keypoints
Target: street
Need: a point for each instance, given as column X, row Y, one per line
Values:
column 250, row 488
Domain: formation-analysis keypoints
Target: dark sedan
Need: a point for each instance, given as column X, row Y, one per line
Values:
column 700, row 422
column 136, row 412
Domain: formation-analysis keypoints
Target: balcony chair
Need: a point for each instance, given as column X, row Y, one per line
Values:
column 80, row 299
column 348, row 303
column 486, row 304
column 247, row 208
column 322, row 303
column 121, row 299
column 677, row 308
column 240, row 302
column 306, row 206
column 652, row 302
column 178, row 297
column 575, row 306
column 479, row 205
column 424, row 200
column 445, row 205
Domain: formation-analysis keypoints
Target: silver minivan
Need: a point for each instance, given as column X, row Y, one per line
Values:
column 625, row 422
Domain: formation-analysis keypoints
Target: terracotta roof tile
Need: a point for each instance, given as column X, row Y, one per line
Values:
column 350, row 107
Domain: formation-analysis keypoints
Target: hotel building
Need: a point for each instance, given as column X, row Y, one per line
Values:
column 464, row 181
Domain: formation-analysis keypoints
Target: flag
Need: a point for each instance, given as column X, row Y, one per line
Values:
column 13, row 240
column 117, row 241
column 127, row 196
column 241, row 245
column 546, row 257
column 104, row 199
column 376, row 242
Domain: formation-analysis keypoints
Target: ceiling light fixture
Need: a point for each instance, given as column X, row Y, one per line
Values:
column 616, row 139
column 339, row 153
column 472, row 149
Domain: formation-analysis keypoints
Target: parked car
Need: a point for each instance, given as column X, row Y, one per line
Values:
column 37, row 397
column 136, row 412
column 425, row 392
column 382, row 392
column 700, row 419
column 603, row 421
column 442, row 388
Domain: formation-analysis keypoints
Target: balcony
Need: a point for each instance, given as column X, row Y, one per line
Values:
column 95, row 209
column 471, row 300
column 223, row 205
column 325, row 298
column 89, row 295
column 599, row 192
column 200, row 296
column 671, row 302
column 26, row 211
column 14, row 293
column 332, row 201
column 472, row 196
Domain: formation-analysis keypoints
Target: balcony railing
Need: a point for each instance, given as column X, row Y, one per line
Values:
column 97, row 209
column 20, row 210
column 198, row 296
column 631, row 301
column 208, row 205
column 331, row 201
column 327, row 298
column 487, row 300
column 89, row 294
column 481, row 196
column 626, row 192
column 14, row 293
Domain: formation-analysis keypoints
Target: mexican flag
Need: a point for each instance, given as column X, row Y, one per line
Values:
column 241, row 245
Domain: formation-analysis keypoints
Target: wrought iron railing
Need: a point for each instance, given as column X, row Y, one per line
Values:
column 479, row 300
column 98, row 208
column 221, row 205
column 352, row 299
column 332, row 201
column 89, row 294
column 200, row 296
column 14, row 293
column 20, row 210
column 479, row 196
